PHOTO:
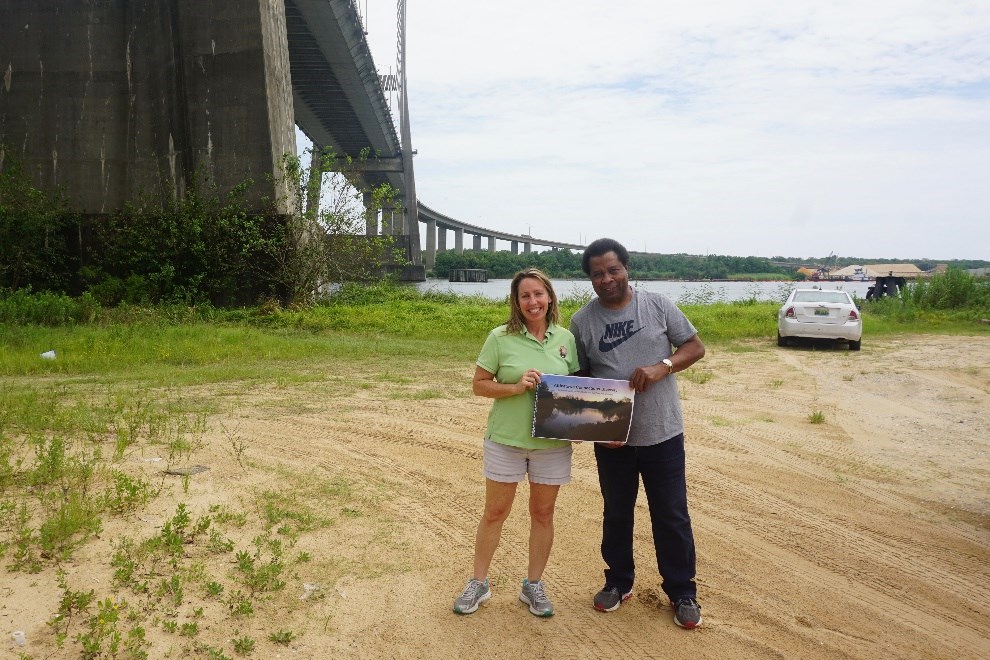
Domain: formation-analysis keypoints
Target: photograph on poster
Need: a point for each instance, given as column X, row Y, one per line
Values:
column 583, row 409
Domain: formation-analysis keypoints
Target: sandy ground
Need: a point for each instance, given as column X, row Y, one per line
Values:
column 866, row 536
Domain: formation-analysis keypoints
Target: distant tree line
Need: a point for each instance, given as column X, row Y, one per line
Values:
column 567, row 264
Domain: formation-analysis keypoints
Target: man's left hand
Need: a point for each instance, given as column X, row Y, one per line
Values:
column 643, row 377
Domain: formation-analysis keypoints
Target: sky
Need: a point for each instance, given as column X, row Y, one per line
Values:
column 794, row 128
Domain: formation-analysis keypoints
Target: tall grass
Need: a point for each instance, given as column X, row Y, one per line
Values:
column 953, row 290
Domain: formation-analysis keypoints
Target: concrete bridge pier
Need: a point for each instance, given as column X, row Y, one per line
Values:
column 431, row 242
column 441, row 239
column 476, row 243
column 491, row 243
column 370, row 215
column 388, row 220
column 108, row 101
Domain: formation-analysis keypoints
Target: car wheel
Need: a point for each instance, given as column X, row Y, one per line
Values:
column 781, row 341
column 854, row 345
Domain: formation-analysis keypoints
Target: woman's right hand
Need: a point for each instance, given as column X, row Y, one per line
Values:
column 529, row 380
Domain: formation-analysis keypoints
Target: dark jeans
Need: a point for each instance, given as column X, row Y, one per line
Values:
column 661, row 467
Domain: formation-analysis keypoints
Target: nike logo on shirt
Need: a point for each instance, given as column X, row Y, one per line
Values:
column 618, row 333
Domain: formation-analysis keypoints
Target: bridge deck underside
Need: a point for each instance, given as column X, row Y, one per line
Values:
column 329, row 108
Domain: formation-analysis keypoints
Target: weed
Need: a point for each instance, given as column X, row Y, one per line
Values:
column 170, row 626
column 71, row 603
column 124, row 562
column 127, row 493
column 214, row 589
column 69, row 525
column 101, row 638
column 817, row 417
column 243, row 645
column 25, row 556
column 190, row 629
column 259, row 575
column 171, row 588
column 218, row 544
column 775, row 383
column 282, row 637
column 237, row 445
column 223, row 515
column 215, row 653
column 239, row 604
column 697, row 376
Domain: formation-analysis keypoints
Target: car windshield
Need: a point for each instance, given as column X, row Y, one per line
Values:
column 821, row 296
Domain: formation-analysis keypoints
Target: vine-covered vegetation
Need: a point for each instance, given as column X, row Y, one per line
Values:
column 200, row 247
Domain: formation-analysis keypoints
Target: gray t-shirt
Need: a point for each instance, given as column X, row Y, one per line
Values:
column 612, row 343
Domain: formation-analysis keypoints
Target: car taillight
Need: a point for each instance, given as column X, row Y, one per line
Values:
column 789, row 313
column 853, row 316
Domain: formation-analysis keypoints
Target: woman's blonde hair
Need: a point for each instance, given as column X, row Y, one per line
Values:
column 516, row 323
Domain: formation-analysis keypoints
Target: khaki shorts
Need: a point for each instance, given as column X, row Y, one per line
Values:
column 511, row 464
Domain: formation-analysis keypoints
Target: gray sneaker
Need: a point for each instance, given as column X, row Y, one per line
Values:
column 533, row 595
column 475, row 593
column 687, row 613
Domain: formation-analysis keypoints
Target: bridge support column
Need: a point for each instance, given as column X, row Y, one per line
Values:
column 431, row 242
column 370, row 215
column 491, row 243
column 476, row 243
column 441, row 239
column 527, row 247
column 314, row 187
column 388, row 220
column 459, row 241
column 515, row 247
column 110, row 100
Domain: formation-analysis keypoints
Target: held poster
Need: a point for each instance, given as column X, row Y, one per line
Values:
column 583, row 409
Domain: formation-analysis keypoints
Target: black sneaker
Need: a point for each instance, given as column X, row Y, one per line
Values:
column 687, row 613
column 609, row 598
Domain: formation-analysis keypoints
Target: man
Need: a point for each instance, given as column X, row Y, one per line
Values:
column 632, row 335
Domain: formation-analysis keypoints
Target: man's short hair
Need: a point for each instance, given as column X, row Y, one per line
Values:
column 600, row 247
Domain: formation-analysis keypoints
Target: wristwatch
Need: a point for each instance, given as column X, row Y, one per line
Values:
column 670, row 365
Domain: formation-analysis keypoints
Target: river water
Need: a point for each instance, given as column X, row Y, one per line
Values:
column 682, row 292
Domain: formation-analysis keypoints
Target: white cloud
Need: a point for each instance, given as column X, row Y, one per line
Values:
column 764, row 128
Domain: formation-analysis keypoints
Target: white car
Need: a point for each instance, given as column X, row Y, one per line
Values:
column 815, row 313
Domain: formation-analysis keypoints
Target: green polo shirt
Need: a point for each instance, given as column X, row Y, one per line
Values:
column 510, row 421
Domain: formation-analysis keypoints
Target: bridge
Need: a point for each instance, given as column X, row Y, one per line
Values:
column 111, row 101
column 437, row 225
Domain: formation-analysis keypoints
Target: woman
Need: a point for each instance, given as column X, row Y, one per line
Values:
column 508, row 370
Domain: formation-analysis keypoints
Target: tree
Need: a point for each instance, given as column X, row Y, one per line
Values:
column 33, row 228
column 323, row 240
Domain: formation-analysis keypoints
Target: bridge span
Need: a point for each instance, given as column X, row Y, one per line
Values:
column 437, row 225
